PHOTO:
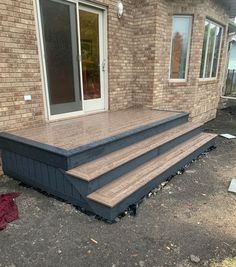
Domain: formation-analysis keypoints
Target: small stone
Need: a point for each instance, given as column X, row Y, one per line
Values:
column 117, row 219
column 141, row 263
column 94, row 241
column 191, row 171
column 156, row 190
column 194, row 259
column 164, row 183
column 59, row 251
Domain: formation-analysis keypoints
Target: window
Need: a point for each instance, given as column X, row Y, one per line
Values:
column 211, row 50
column 181, row 33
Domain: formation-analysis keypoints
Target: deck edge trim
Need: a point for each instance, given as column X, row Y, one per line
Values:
column 32, row 143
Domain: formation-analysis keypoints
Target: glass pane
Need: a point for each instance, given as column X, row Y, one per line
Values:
column 217, row 52
column 204, row 49
column 180, row 45
column 210, row 50
column 89, row 36
column 58, row 48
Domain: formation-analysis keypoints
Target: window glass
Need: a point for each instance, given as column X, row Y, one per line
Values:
column 181, row 31
column 210, row 50
column 207, row 25
column 217, row 52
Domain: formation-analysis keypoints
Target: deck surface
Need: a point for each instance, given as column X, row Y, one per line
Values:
column 72, row 133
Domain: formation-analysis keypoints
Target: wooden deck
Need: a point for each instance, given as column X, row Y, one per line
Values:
column 73, row 133
column 105, row 162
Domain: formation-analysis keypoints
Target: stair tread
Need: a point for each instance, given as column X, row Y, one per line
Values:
column 116, row 191
column 95, row 168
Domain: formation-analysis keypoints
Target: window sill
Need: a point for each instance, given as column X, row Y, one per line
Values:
column 176, row 83
column 208, row 81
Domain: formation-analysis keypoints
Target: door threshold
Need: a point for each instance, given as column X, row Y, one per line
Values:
column 73, row 115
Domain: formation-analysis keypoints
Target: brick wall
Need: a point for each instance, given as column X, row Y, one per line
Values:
column 120, row 55
column 195, row 96
column 138, row 53
column 145, row 14
column 19, row 66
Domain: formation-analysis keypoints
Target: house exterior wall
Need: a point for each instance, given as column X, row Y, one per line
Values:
column 19, row 66
column 198, row 97
column 138, row 54
column 145, row 34
column 201, row 98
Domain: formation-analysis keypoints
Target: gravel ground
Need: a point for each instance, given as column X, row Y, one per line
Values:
column 192, row 219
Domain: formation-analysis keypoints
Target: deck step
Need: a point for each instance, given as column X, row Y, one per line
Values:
column 93, row 169
column 115, row 192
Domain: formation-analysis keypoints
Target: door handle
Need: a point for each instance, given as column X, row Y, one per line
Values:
column 104, row 65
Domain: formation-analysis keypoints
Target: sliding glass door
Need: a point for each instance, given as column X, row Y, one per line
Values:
column 59, row 26
column 73, row 56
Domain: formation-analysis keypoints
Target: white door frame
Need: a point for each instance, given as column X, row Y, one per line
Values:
column 96, row 104
column 43, row 70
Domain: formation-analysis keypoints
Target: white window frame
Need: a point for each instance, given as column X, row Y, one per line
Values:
column 188, row 52
column 219, row 55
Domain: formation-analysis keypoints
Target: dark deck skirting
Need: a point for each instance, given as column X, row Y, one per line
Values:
column 42, row 176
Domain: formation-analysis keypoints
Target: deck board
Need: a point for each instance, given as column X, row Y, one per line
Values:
column 72, row 133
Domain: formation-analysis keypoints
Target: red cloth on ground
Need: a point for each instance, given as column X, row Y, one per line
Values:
column 8, row 209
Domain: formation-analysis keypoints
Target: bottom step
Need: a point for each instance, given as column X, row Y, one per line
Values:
column 115, row 197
